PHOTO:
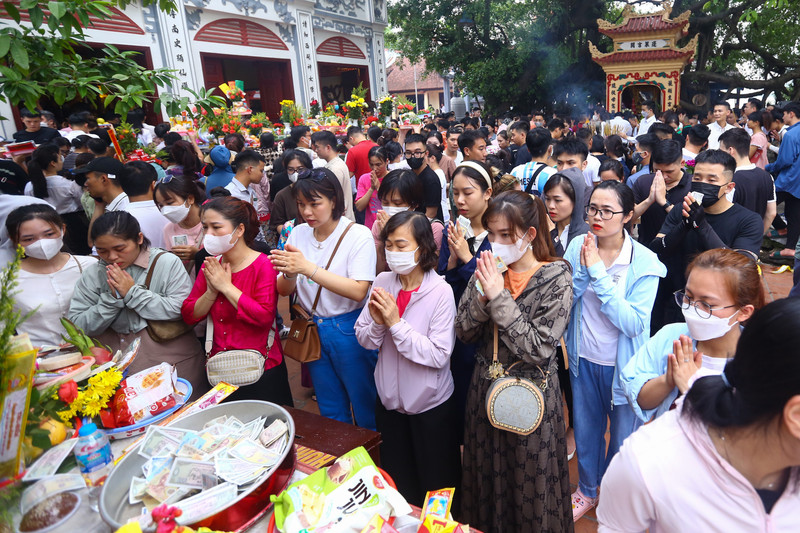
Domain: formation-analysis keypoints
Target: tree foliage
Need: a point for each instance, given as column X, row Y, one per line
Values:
column 47, row 57
column 534, row 54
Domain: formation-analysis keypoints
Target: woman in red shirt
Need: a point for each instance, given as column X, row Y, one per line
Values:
column 236, row 288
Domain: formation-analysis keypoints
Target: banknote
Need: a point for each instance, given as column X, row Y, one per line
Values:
column 187, row 473
column 253, row 452
column 158, row 444
column 47, row 465
column 206, row 503
column 137, row 490
column 273, row 432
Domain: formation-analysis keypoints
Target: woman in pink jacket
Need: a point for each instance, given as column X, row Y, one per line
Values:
column 727, row 459
column 410, row 319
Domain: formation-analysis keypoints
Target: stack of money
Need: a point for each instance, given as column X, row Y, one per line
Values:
column 201, row 471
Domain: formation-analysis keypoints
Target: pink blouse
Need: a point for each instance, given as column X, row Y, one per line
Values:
column 243, row 327
column 374, row 205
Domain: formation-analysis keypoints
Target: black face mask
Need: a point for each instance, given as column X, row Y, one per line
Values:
column 636, row 158
column 710, row 193
column 415, row 162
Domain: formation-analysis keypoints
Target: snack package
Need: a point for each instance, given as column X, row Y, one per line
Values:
column 434, row 524
column 343, row 497
column 144, row 395
column 379, row 525
column 437, row 503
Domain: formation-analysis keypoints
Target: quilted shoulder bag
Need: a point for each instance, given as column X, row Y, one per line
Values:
column 236, row 367
column 302, row 343
column 163, row 330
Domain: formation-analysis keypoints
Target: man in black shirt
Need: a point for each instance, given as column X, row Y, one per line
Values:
column 656, row 194
column 755, row 188
column 704, row 220
column 416, row 152
column 33, row 129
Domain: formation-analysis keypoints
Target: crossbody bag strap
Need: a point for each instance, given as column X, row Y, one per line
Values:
column 210, row 333
column 150, row 271
column 533, row 178
column 330, row 261
column 80, row 266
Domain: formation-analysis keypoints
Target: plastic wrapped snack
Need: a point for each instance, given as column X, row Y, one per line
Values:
column 343, row 497
column 144, row 395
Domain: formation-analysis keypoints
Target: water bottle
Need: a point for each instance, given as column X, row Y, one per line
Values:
column 93, row 453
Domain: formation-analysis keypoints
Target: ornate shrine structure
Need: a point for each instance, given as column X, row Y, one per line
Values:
column 645, row 63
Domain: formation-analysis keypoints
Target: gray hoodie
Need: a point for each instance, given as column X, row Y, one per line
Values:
column 577, row 224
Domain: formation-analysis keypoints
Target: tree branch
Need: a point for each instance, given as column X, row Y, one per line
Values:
column 743, row 82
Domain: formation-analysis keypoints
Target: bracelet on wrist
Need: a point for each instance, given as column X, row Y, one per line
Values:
column 316, row 267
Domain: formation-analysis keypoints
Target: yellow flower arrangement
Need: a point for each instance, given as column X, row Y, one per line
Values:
column 94, row 397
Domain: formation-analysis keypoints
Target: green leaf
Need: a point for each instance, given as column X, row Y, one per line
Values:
column 28, row 4
column 37, row 16
column 19, row 54
column 60, row 95
column 12, row 10
column 58, row 9
column 5, row 44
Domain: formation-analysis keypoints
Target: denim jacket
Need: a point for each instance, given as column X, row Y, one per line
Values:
column 631, row 315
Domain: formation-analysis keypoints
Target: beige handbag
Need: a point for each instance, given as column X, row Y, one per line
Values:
column 513, row 404
column 163, row 330
column 236, row 367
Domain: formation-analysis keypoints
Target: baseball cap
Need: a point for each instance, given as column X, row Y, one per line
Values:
column 103, row 165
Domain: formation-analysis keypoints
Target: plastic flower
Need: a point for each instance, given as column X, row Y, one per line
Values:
column 68, row 392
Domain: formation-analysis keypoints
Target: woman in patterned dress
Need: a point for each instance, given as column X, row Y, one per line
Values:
column 513, row 482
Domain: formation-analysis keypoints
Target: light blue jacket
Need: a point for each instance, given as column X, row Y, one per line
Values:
column 650, row 362
column 631, row 314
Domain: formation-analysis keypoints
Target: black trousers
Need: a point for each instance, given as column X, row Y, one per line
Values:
column 420, row 452
column 272, row 387
column 791, row 210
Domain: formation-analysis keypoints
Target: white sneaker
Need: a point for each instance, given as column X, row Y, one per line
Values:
column 284, row 332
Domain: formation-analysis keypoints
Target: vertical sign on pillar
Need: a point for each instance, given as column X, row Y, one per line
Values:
column 178, row 52
column 308, row 58
column 380, row 65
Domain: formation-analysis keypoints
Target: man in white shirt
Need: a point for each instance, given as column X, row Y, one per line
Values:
column 620, row 126
column 451, row 144
column 720, row 124
column 249, row 166
column 592, row 170
column 79, row 122
column 324, row 144
column 103, row 186
column 138, row 180
column 648, row 117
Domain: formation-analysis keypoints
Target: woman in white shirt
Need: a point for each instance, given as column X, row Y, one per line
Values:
column 47, row 275
column 63, row 194
column 344, row 374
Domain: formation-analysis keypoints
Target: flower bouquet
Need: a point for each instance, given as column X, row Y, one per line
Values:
column 256, row 123
column 314, row 108
column 290, row 113
column 127, row 137
column 386, row 106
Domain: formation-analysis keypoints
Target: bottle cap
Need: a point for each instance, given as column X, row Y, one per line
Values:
column 87, row 428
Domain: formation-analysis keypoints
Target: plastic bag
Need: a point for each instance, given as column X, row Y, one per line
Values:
column 144, row 395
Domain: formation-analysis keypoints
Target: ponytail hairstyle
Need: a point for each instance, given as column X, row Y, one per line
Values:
column 40, row 160
column 763, row 375
column 392, row 150
column 120, row 224
column 524, row 211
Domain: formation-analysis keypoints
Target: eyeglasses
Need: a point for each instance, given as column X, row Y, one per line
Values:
column 292, row 170
column 605, row 214
column 418, row 153
column 702, row 309
column 166, row 178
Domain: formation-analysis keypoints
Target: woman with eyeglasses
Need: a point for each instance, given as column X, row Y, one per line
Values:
column 614, row 282
column 728, row 458
column 723, row 289
column 284, row 206
column 343, row 376
column 179, row 198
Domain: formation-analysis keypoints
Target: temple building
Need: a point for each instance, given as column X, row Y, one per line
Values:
column 301, row 50
column 645, row 63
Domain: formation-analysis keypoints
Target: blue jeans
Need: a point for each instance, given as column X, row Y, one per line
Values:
column 591, row 400
column 344, row 375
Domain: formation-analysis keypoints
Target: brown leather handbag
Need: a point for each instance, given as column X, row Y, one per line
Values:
column 303, row 344
column 163, row 330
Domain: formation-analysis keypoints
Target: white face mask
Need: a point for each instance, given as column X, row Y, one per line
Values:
column 218, row 244
column 392, row 210
column 510, row 253
column 401, row 262
column 293, row 177
column 175, row 213
column 44, row 249
column 703, row 329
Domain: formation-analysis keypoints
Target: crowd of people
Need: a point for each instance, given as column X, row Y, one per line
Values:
column 610, row 260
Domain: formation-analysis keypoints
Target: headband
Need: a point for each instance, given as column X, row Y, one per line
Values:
column 482, row 171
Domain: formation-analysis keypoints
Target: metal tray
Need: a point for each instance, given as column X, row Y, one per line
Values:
column 245, row 510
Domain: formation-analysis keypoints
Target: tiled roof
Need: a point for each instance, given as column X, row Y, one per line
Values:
column 643, row 55
column 646, row 23
column 118, row 22
column 400, row 77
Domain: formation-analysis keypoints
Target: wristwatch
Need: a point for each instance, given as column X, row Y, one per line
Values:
column 667, row 205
